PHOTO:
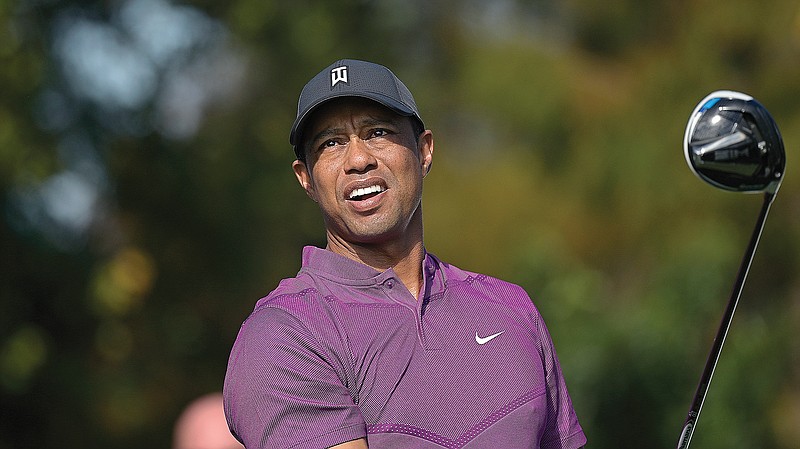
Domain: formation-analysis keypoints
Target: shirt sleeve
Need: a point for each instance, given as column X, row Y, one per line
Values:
column 562, row 429
column 285, row 389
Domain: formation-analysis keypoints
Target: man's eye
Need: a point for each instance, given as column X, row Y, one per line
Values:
column 327, row 144
column 380, row 132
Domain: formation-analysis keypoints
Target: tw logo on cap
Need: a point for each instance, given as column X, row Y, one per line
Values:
column 338, row 75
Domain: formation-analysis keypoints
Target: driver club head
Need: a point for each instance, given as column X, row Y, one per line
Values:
column 733, row 143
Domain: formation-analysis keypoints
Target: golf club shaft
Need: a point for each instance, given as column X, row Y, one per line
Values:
column 719, row 340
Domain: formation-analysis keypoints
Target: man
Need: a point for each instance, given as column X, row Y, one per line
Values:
column 376, row 342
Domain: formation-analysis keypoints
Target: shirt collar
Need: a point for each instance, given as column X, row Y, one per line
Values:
column 346, row 271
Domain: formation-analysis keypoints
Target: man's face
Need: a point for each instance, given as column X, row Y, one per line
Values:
column 364, row 168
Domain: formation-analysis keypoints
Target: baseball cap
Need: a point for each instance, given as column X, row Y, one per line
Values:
column 352, row 78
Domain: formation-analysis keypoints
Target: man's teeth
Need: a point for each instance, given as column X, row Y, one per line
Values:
column 365, row 191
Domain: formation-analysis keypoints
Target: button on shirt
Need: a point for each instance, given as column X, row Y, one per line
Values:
column 342, row 351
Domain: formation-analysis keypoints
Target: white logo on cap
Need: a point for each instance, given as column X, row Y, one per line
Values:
column 338, row 74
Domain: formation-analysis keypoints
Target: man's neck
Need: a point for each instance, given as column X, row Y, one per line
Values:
column 404, row 258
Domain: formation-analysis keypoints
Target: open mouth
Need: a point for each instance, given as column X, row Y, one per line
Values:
column 365, row 193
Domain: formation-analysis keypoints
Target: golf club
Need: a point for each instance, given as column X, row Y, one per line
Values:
column 732, row 142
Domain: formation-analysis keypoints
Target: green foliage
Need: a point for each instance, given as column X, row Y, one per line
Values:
column 558, row 166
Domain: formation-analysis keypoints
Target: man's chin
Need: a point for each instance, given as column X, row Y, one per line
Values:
column 372, row 236
column 377, row 229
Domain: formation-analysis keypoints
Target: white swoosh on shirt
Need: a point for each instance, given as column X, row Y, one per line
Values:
column 483, row 340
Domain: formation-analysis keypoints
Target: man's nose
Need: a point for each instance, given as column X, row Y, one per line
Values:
column 359, row 156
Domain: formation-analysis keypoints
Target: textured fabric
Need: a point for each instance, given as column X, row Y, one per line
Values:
column 342, row 352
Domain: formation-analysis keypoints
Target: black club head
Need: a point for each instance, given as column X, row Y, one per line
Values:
column 733, row 143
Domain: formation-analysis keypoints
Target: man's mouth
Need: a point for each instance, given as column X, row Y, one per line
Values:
column 365, row 192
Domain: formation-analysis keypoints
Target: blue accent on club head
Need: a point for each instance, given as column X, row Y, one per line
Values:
column 709, row 104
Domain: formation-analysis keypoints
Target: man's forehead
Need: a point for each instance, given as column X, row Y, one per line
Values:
column 350, row 108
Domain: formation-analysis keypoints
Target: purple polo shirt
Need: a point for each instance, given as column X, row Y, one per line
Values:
column 343, row 351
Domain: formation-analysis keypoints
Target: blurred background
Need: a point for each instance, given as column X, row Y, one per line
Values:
column 147, row 198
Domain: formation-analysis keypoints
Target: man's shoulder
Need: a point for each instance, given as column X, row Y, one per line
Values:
column 289, row 293
column 293, row 304
column 490, row 285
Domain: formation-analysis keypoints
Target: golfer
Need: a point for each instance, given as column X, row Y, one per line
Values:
column 376, row 342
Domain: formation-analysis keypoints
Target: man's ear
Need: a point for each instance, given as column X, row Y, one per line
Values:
column 425, row 145
column 303, row 175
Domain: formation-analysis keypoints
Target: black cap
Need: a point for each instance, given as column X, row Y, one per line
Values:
column 352, row 78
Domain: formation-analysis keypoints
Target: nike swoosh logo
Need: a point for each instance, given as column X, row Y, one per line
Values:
column 483, row 340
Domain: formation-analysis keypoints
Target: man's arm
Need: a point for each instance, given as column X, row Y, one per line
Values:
column 360, row 443
column 283, row 387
